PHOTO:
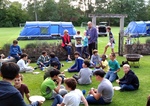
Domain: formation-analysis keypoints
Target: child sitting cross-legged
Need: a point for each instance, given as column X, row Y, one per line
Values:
column 23, row 89
column 23, row 65
column 78, row 63
column 103, row 64
column 51, row 85
column 43, row 60
column 95, row 59
column 85, row 74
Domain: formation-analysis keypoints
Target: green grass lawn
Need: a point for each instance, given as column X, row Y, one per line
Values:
column 134, row 98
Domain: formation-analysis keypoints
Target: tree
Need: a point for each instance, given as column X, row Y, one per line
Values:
column 133, row 8
column 50, row 11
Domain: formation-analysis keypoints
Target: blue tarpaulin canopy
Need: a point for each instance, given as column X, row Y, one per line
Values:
column 46, row 30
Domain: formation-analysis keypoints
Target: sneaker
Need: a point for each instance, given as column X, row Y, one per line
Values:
column 35, row 68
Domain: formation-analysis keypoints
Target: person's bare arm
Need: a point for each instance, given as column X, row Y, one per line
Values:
column 27, row 96
column 117, row 70
column 58, row 86
column 84, row 101
column 95, row 94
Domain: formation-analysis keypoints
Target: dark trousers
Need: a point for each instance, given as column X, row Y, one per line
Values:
column 84, row 51
column 92, row 46
column 79, row 49
column 16, row 57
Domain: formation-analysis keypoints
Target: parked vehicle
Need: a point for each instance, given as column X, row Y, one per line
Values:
column 101, row 29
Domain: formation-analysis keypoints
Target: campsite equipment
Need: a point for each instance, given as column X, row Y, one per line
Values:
column 133, row 58
column 44, row 30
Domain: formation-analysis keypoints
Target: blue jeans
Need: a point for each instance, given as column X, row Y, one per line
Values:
column 78, row 49
column 34, row 104
column 111, row 76
column 58, row 100
column 68, row 49
column 17, row 58
column 127, row 87
column 92, row 100
column 84, row 51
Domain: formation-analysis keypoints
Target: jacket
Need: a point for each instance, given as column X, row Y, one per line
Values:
column 43, row 59
column 65, row 39
column 130, row 78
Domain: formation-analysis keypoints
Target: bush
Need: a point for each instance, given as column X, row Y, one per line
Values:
column 6, row 46
column 30, row 45
column 148, row 40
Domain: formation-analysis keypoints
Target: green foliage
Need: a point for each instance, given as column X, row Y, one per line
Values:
column 12, row 13
column 31, row 45
column 6, row 46
column 39, row 44
column 148, row 40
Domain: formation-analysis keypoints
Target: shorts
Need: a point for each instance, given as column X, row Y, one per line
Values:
column 111, row 45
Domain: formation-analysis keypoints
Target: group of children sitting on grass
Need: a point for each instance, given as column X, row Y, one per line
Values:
column 52, row 87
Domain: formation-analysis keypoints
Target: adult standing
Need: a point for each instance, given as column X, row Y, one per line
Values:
column 92, row 37
column 66, row 43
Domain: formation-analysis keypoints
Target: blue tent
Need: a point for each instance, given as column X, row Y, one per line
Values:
column 148, row 27
column 46, row 30
column 136, row 28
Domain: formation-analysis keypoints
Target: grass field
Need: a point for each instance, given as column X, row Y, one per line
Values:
column 134, row 98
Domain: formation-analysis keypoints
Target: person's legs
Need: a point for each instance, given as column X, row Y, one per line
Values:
column 68, row 49
column 92, row 100
column 112, row 48
column 108, row 74
column 17, row 58
column 53, row 95
column 113, row 76
column 73, row 70
column 58, row 100
column 105, row 49
column 46, row 64
column 127, row 87
column 34, row 104
column 85, row 52
column 91, row 48
column 78, row 49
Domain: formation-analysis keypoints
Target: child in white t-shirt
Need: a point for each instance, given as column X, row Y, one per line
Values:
column 74, row 97
column 23, row 65
column 78, row 42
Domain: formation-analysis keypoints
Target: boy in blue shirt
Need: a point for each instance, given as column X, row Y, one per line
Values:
column 53, row 58
column 15, row 50
column 78, row 63
column 114, row 67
